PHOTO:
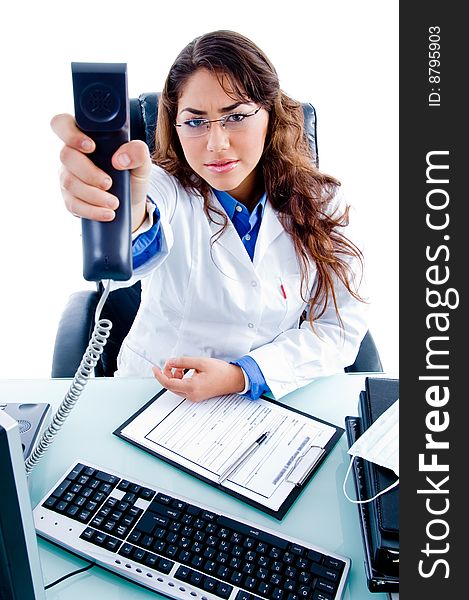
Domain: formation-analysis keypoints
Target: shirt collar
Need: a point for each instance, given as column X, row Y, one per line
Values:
column 229, row 203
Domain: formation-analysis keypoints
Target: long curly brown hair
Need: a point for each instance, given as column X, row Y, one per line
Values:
column 295, row 187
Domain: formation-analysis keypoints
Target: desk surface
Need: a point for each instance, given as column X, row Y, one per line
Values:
column 321, row 514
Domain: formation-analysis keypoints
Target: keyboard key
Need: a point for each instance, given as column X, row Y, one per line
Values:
column 165, row 511
column 146, row 493
column 250, row 583
column 242, row 595
column 112, row 543
column 264, row 588
column 321, row 596
column 152, row 560
column 163, row 499
column 197, row 561
column 334, row 563
column 304, row 591
column 87, row 534
column 149, row 522
column 196, row 578
column 208, row 516
column 138, row 554
column 61, row 489
column 183, row 573
column 165, row 566
column 72, row 511
column 75, row 472
column 184, row 556
column 129, row 497
column 323, row 572
column 112, row 479
column 236, row 577
column 223, row 590
column 193, row 510
column 126, row 550
column 315, row 556
column 123, row 485
column 298, row 550
column 99, row 538
column 325, row 586
column 209, row 584
column 179, row 504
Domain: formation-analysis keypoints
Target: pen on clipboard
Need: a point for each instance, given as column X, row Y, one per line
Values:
column 243, row 457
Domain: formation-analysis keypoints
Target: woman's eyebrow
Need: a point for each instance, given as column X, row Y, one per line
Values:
column 195, row 111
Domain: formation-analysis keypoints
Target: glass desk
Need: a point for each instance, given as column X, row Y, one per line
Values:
column 321, row 513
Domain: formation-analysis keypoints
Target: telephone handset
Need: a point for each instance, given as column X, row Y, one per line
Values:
column 102, row 112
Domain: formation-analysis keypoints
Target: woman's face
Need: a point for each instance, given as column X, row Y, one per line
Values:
column 226, row 159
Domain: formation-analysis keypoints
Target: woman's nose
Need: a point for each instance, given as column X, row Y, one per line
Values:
column 218, row 138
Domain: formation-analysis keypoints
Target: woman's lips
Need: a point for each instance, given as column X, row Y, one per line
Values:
column 222, row 166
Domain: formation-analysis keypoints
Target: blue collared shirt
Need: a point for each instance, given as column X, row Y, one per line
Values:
column 247, row 226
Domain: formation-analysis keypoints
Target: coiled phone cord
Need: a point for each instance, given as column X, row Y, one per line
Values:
column 99, row 337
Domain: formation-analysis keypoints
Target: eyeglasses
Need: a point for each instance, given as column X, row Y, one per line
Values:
column 193, row 128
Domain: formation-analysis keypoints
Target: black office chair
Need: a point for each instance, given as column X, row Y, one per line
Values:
column 77, row 320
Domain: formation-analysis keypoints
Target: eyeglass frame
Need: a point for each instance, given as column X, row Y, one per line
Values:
column 221, row 120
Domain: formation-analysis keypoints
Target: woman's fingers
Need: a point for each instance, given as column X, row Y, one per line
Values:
column 187, row 362
column 88, row 202
column 79, row 166
column 133, row 155
column 182, row 387
column 171, row 372
column 66, row 129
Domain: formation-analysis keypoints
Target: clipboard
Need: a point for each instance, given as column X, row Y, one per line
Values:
column 289, row 481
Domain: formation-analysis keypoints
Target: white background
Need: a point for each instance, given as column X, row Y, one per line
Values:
column 342, row 56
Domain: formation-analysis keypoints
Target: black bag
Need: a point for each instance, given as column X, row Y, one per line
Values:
column 379, row 519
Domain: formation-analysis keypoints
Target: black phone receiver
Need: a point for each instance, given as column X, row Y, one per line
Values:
column 102, row 112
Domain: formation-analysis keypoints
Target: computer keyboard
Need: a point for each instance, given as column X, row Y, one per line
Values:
column 180, row 548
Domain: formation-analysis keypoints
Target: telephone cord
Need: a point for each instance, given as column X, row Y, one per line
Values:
column 99, row 337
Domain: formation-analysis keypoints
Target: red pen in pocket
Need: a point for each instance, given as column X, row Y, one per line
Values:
column 284, row 294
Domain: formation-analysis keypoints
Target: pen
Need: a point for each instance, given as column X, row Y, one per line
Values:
column 282, row 289
column 243, row 457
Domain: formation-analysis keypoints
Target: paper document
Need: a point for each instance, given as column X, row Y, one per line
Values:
column 207, row 437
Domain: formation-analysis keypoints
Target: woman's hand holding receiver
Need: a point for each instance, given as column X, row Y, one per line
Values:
column 84, row 186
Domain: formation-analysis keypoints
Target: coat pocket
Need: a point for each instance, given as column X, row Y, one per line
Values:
column 290, row 289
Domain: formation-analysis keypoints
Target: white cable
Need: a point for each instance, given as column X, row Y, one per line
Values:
column 99, row 337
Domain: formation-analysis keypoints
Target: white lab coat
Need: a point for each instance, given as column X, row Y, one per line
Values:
column 205, row 298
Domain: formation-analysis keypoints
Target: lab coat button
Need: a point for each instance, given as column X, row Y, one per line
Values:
column 254, row 283
column 238, row 208
column 247, row 237
column 250, row 325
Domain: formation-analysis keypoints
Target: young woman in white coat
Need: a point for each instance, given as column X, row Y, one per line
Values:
column 251, row 276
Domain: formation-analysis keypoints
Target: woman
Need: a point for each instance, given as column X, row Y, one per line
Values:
column 237, row 236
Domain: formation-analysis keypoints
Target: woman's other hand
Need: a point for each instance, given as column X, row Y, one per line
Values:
column 85, row 187
column 211, row 377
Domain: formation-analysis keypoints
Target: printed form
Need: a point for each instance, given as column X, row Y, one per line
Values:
column 207, row 437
